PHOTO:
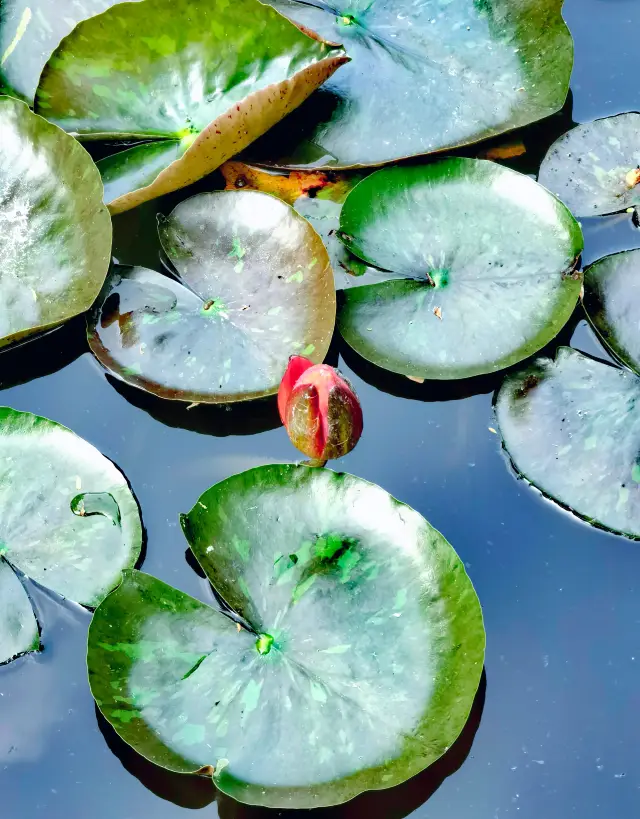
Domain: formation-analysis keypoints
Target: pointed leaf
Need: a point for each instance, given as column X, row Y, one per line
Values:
column 357, row 664
column 56, row 232
column 18, row 626
column 484, row 260
column 209, row 78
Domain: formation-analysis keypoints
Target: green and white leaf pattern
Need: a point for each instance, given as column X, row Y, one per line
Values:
column 18, row 625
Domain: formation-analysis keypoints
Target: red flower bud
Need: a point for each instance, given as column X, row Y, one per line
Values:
column 319, row 409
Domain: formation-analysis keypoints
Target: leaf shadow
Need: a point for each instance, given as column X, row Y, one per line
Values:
column 197, row 792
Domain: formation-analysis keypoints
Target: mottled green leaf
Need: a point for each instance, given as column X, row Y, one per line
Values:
column 481, row 266
column 255, row 287
column 18, row 626
column 30, row 30
column 204, row 78
column 426, row 75
column 589, row 167
column 612, row 303
column 356, row 664
column 572, row 428
column 55, row 233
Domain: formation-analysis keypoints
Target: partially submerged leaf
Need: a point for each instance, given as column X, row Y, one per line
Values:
column 30, row 30
column 572, row 428
column 592, row 167
column 198, row 81
column 359, row 658
column 481, row 265
column 426, row 76
column 45, row 471
column 254, row 288
column 55, row 232
column 612, row 303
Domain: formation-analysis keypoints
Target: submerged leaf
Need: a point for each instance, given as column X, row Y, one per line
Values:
column 425, row 76
column 254, row 288
column 572, row 428
column 358, row 664
column 18, row 625
column 481, row 265
column 55, row 233
column 198, row 81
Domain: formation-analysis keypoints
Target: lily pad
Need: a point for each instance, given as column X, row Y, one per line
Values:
column 56, row 232
column 426, row 76
column 484, row 261
column 612, row 303
column 68, row 520
column 348, row 661
column 198, row 81
column 591, row 168
column 316, row 195
column 254, row 288
column 30, row 30
column 572, row 429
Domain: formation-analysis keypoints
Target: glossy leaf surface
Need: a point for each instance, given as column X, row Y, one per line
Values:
column 589, row 167
column 30, row 30
column 425, row 76
column 612, row 303
column 18, row 625
column 572, row 428
column 255, row 287
column 204, row 78
column 55, row 233
column 484, row 265
column 354, row 661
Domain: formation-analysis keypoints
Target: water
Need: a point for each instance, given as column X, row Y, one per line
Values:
column 556, row 734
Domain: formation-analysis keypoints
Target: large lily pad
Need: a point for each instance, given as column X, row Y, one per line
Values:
column 30, row 30
column 612, row 303
column 68, row 520
column 591, row 168
column 484, row 265
column 254, row 288
column 198, row 80
column 349, row 661
column 55, row 233
column 572, row 428
column 425, row 76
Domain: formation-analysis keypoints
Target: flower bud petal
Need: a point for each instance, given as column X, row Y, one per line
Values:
column 297, row 365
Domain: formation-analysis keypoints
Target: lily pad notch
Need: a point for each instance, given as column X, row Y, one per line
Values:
column 348, row 661
column 130, row 73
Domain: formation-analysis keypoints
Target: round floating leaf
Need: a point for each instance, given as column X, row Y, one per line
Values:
column 200, row 80
column 56, row 232
column 350, row 660
column 425, row 76
column 592, row 168
column 30, row 30
column 318, row 196
column 612, row 303
column 18, row 626
column 484, row 261
column 67, row 516
column 255, row 287
column 572, row 428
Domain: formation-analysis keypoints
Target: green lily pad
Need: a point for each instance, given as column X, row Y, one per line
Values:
column 198, row 81
column 485, row 265
column 68, row 520
column 254, row 287
column 572, row 429
column 30, row 30
column 612, row 304
column 55, row 231
column 349, row 661
column 19, row 633
column 588, row 166
column 426, row 76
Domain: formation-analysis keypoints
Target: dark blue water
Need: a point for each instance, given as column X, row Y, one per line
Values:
column 554, row 736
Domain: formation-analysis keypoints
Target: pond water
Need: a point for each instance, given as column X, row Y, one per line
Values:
column 554, row 732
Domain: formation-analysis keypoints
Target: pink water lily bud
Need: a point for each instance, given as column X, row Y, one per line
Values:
column 319, row 409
